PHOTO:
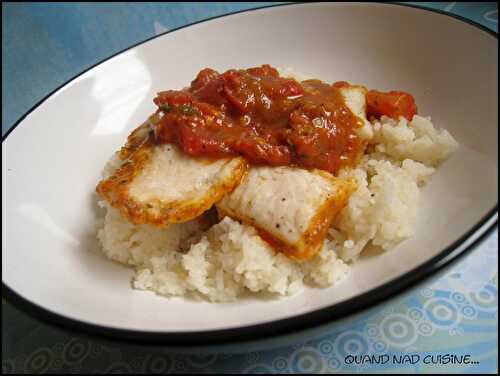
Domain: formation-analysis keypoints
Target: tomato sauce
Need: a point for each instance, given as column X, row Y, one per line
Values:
column 266, row 118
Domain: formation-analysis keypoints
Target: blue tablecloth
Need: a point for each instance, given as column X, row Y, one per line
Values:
column 44, row 45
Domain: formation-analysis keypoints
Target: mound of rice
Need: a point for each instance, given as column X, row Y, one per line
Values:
column 230, row 259
column 219, row 264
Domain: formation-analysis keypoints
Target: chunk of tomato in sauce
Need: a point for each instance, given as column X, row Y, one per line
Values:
column 258, row 151
column 263, row 71
column 392, row 104
column 173, row 98
column 341, row 84
column 203, row 78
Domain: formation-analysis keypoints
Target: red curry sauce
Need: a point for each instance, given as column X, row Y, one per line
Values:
column 266, row 118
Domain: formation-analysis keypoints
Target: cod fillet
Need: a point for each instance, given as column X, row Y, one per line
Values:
column 158, row 184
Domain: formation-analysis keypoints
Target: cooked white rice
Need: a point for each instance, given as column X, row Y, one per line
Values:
column 230, row 259
column 220, row 264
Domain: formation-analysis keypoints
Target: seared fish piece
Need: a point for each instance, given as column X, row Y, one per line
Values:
column 159, row 184
column 291, row 207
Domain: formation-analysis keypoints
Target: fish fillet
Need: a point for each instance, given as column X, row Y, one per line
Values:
column 159, row 184
column 291, row 207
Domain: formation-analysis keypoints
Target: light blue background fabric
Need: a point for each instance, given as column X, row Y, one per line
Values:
column 44, row 45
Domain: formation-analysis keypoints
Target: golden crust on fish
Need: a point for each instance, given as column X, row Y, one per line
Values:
column 292, row 208
column 159, row 184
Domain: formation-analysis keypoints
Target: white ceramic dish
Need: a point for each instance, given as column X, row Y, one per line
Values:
column 53, row 158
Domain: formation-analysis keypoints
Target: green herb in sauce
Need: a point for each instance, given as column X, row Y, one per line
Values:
column 186, row 109
column 166, row 107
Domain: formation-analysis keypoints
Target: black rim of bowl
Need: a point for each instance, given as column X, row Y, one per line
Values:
column 307, row 321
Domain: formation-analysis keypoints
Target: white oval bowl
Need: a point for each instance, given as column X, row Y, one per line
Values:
column 53, row 158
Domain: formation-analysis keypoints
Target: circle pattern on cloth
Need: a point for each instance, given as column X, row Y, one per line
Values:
column 468, row 311
column 280, row 363
column 325, row 347
column 75, row 351
column 39, row 361
column 427, row 292
column 458, row 297
column 372, row 330
column 379, row 347
column 308, row 360
column 425, row 329
column 179, row 365
column 158, row 364
column 351, row 342
column 415, row 314
column 252, row 357
column 442, row 313
column 95, row 350
column 138, row 364
column 485, row 300
column 334, row 364
column 491, row 16
column 398, row 330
